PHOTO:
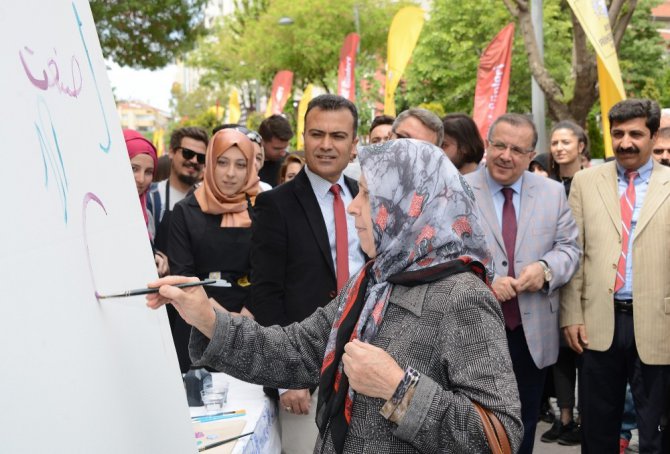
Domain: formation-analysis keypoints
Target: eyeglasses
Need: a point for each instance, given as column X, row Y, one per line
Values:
column 188, row 155
column 660, row 151
column 518, row 151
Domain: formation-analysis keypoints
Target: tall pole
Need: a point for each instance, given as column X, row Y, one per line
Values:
column 537, row 95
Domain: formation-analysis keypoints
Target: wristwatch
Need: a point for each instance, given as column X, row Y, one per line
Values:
column 548, row 275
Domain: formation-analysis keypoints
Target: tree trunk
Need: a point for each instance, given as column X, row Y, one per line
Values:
column 585, row 70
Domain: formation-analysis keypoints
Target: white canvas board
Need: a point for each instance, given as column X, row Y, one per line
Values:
column 78, row 374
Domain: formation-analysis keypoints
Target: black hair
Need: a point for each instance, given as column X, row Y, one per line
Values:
column 333, row 102
column 629, row 109
column 275, row 126
column 463, row 130
column 192, row 132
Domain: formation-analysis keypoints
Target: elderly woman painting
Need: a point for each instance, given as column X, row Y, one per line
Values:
column 410, row 343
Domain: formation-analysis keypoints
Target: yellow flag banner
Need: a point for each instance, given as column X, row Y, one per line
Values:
column 158, row 141
column 593, row 17
column 234, row 110
column 609, row 95
column 402, row 38
column 302, row 108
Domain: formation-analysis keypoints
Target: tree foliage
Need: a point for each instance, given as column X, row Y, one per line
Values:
column 444, row 65
column 240, row 52
column 147, row 34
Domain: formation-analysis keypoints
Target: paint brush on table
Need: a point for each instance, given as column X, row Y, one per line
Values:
column 232, row 412
column 147, row 291
column 223, row 442
column 218, row 417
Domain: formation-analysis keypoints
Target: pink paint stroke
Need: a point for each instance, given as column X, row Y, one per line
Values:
column 89, row 196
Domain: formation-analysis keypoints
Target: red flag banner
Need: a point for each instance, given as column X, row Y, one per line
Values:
column 281, row 90
column 493, row 75
column 346, row 73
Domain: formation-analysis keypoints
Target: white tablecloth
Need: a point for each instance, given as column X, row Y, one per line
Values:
column 261, row 416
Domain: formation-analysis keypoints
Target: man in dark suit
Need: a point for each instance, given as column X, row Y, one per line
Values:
column 298, row 230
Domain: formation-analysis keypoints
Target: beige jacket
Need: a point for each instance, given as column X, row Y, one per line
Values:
column 588, row 297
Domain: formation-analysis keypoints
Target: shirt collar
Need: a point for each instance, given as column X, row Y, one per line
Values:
column 644, row 170
column 321, row 186
column 496, row 187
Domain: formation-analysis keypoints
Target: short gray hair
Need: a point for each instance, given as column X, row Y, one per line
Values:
column 426, row 117
column 513, row 119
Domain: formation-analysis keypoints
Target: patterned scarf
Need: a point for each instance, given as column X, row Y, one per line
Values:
column 426, row 227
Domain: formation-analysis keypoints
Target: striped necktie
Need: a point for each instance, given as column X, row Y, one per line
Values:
column 627, row 207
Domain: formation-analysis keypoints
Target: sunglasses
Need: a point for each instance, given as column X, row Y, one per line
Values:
column 188, row 155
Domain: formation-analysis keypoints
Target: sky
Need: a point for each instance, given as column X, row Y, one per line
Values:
column 151, row 87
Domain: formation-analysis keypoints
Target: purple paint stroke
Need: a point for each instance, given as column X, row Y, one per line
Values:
column 104, row 147
column 43, row 83
column 89, row 196
column 52, row 78
column 52, row 157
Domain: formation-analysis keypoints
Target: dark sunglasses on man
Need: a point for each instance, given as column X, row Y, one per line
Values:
column 188, row 155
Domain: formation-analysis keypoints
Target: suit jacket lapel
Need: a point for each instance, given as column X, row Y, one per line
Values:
column 307, row 198
column 609, row 193
column 526, row 210
column 657, row 192
column 352, row 185
column 485, row 204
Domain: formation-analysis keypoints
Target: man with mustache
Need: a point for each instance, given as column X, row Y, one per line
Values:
column 615, row 311
column 661, row 151
column 533, row 240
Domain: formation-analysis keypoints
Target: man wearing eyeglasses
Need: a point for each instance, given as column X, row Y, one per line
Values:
column 533, row 239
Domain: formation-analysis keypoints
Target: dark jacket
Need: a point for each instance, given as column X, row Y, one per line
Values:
column 292, row 267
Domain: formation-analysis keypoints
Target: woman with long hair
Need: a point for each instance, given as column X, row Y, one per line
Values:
column 568, row 143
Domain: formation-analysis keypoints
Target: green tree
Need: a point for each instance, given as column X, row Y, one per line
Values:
column 444, row 65
column 147, row 34
column 251, row 52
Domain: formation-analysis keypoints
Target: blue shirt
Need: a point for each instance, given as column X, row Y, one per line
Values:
column 499, row 198
column 641, row 183
column 321, row 188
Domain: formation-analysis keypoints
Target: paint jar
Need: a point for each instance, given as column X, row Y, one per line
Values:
column 215, row 397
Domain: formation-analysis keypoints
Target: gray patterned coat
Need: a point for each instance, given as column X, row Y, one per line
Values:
column 451, row 331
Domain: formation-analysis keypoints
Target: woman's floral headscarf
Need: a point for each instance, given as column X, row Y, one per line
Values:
column 425, row 224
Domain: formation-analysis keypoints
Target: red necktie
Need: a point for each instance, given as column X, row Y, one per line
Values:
column 341, row 238
column 510, row 307
column 627, row 205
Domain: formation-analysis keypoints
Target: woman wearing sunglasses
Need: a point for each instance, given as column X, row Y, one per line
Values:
column 412, row 342
column 210, row 230
column 143, row 161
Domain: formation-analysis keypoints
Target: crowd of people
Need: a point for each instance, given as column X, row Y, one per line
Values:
column 385, row 294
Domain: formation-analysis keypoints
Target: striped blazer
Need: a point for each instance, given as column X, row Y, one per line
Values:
column 588, row 298
column 546, row 231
